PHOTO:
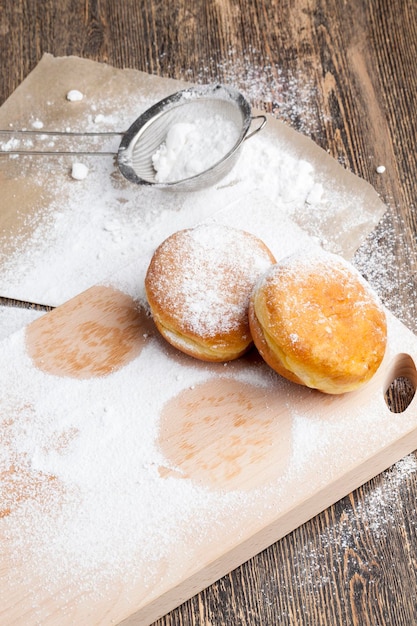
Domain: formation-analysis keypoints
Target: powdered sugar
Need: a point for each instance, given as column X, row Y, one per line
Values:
column 79, row 171
column 12, row 144
column 378, row 510
column 290, row 96
column 74, row 95
column 15, row 318
column 107, row 511
column 192, row 148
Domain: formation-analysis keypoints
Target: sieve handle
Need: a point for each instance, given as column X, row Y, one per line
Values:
column 260, row 127
column 68, row 133
column 59, row 133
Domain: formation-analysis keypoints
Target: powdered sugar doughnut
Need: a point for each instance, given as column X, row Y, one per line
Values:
column 317, row 322
column 198, row 286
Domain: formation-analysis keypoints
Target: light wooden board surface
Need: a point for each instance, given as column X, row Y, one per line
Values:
column 218, row 461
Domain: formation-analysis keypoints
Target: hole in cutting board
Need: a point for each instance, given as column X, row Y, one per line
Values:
column 402, row 384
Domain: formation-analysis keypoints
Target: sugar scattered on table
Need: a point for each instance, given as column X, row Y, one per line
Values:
column 74, row 95
column 290, row 96
column 337, row 532
column 11, row 144
column 79, row 171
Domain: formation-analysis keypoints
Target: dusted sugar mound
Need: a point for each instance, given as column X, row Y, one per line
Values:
column 317, row 322
column 198, row 286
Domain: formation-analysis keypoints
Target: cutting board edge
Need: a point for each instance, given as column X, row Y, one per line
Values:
column 289, row 521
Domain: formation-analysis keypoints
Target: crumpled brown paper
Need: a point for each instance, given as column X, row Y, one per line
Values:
column 32, row 188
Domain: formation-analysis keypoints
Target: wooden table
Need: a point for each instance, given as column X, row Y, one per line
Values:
column 343, row 73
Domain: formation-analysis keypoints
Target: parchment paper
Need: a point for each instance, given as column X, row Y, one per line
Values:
column 59, row 236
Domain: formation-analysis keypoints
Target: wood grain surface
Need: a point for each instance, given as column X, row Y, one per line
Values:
column 342, row 72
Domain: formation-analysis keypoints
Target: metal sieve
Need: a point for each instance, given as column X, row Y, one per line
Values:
column 149, row 131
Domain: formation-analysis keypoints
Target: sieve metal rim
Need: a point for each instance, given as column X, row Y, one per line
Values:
column 177, row 99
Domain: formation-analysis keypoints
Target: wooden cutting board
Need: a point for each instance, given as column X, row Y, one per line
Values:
column 134, row 476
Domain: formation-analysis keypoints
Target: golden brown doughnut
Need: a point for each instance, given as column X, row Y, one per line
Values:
column 198, row 286
column 317, row 322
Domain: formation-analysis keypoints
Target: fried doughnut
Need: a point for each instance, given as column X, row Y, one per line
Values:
column 198, row 286
column 317, row 322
